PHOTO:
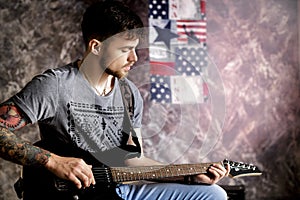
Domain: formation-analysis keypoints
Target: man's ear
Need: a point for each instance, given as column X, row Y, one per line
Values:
column 95, row 46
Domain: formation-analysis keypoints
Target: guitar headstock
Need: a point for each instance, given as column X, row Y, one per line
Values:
column 239, row 169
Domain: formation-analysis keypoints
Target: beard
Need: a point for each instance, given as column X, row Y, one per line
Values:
column 118, row 74
column 115, row 73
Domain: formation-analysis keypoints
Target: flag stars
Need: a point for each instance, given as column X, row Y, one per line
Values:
column 158, row 9
column 160, row 89
column 165, row 35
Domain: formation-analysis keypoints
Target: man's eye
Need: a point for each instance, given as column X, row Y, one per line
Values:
column 125, row 50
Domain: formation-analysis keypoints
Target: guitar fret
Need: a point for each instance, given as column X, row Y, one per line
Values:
column 124, row 175
column 167, row 172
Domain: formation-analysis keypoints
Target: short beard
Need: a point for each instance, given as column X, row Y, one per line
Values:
column 117, row 74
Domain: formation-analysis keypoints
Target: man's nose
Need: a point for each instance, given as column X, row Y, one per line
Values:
column 132, row 56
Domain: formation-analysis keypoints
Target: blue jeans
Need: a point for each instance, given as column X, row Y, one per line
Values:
column 170, row 191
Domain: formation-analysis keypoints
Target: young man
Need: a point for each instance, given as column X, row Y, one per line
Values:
column 80, row 107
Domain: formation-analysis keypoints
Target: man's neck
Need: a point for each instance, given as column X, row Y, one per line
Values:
column 99, row 80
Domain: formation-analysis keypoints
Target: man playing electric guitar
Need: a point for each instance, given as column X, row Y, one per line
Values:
column 81, row 106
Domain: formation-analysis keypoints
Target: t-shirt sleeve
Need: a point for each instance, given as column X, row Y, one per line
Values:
column 38, row 99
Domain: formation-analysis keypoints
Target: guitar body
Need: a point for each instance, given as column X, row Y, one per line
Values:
column 37, row 189
column 39, row 183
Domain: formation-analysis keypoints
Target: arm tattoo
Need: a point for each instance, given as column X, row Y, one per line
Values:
column 13, row 148
column 10, row 116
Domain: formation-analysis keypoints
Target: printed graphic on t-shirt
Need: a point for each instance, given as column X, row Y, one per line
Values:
column 93, row 127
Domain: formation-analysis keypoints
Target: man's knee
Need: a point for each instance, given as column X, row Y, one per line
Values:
column 217, row 193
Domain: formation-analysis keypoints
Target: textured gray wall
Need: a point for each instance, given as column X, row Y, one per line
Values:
column 255, row 47
column 34, row 35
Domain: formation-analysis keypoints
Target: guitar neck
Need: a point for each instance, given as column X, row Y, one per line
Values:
column 123, row 174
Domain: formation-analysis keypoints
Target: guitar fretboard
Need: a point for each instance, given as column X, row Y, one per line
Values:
column 122, row 174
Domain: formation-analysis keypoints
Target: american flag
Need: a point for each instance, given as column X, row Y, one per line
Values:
column 162, row 68
column 176, row 89
column 158, row 9
column 177, row 51
column 190, row 60
column 160, row 89
column 191, row 31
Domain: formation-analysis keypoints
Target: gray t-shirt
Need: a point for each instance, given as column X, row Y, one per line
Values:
column 67, row 109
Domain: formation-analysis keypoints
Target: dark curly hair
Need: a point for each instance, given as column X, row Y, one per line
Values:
column 102, row 20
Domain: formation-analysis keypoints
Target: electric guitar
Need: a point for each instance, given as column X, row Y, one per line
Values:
column 109, row 175
column 41, row 182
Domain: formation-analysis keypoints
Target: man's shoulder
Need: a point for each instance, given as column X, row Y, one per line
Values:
column 65, row 72
column 65, row 69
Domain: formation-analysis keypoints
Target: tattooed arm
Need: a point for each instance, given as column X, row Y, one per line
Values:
column 13, row 148
column 18, row 151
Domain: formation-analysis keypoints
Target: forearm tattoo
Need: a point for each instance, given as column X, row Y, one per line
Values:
column 13, row 148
